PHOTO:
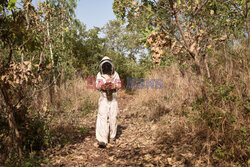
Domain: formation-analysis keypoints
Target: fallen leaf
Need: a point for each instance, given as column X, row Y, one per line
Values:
column 192, row 47
column 111, row 158
column 224, row 37
column 170, row 161
column 96, row 144
column 147, row 157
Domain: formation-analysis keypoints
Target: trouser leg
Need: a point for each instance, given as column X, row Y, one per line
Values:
column 102, row 128
column 113, row 118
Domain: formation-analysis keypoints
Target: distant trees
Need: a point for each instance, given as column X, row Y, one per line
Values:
column 122, row 39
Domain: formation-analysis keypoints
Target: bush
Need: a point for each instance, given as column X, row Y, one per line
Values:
column 36, row 134
column 206, row 119
column 220, row 110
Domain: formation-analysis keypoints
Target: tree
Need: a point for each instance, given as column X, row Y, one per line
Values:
column 183, row 27
column 122, row 39
column 29, row 53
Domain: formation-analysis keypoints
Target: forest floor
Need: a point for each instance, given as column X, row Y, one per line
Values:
column 135, row 144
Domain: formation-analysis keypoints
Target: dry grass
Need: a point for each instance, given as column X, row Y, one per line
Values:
column 53, row 120
column 64, row 114
column 69, row 97
column 178, row 91
column 205, row 122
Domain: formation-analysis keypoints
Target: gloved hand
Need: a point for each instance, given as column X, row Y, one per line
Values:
column 103, row 87
column 109, row 85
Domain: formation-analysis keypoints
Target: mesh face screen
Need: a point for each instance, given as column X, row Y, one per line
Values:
column 107, row 68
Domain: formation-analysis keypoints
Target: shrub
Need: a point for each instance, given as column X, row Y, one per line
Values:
column 206, row 119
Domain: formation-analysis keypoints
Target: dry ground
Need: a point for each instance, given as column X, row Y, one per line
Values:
column 135, row 144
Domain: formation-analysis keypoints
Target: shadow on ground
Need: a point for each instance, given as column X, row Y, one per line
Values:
column 120, row 129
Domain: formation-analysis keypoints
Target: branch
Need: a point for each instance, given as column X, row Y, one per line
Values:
column 11, row 48
column 177, row 20
column 200, row 7
column 183, row 45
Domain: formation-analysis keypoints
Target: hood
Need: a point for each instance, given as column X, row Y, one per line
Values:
column 106, row 60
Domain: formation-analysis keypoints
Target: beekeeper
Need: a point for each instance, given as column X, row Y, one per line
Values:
column 108, row 82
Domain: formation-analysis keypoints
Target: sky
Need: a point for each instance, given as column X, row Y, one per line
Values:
column 95, row 13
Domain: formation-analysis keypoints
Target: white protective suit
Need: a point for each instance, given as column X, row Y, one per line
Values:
column 107, row 107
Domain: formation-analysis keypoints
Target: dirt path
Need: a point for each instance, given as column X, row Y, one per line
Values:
column 134, row 145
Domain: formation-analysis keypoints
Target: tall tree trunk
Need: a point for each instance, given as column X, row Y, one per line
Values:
column 14, row 133
column 246, row 22
column 51, row 54
column 53, row 89
column 63, row 51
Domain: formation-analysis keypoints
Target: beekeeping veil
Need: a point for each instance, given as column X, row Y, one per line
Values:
column 106, row 64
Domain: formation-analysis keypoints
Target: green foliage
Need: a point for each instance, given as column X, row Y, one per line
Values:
column 166, row 61
column 215, row 122
column 122, row 39
column 45, row 46
column 36, row 137
column 126, row 67
column 12, row 4
column 33, row 47
column 87, row 52
column 87, row 106
column 216, row 110
column 192, row 27
column 84, row 130
column 37, row 134
column 120, row 44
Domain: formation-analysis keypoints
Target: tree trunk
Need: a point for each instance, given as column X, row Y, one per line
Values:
column 51, row 54
column 206, row 65
column 53, row 68
column 246, row 22
column 14, row 133
column 15, row 136
column 197, row 64
column 41, row 60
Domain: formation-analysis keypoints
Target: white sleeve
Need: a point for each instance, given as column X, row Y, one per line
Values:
column 117, row 81
column 99, row 81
